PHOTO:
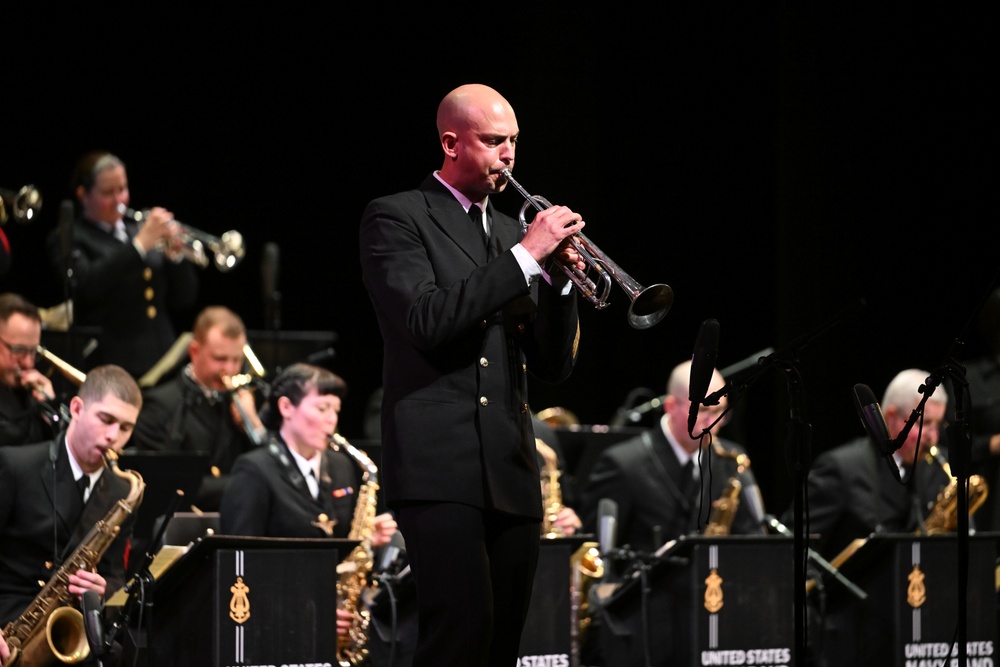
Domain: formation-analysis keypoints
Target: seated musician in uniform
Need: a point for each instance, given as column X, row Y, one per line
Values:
column 53, row 493
column 664, row 483
column 853, row 491
column 296, row 485
column 197, row 410
column 23, row 389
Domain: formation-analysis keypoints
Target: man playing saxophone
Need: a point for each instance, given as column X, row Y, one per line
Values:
column 53, row 493
column 665, row 482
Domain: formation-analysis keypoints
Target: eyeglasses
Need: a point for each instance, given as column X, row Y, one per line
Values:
column 20, row 350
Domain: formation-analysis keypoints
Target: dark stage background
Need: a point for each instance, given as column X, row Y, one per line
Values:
column 774, row 166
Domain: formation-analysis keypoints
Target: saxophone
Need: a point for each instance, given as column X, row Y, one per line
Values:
column 353, row 571
column 724, row 509
column 588, row 564
column 943, row 517
column 50, row 631
column 551, row 491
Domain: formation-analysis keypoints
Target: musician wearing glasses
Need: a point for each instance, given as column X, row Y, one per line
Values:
column 23, row 389
column 200, row 408
column 123, row 278
column 466, row 310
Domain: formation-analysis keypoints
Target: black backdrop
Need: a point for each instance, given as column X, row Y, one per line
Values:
column 772, row 165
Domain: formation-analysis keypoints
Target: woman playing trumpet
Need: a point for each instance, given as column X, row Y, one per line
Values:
column 125, row 279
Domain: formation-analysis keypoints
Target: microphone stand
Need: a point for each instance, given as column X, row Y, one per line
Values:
column 798, row 441
column 638, row 564
column 390, row 579
column 959, row 452
column 142, row 581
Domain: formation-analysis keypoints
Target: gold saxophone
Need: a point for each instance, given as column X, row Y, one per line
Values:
column 552, row 501
column 50, row 631
column 353, row 572
column 588, row 564
column 943, row 517
column 724, row 508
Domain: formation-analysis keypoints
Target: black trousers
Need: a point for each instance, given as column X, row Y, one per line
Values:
column 473, row 570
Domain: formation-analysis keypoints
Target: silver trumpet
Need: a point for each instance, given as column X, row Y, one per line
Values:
column 23, row 204
column 649, row 304
column 227, row 250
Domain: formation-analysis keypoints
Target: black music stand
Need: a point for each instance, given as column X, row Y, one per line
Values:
column 909, row 612
column 241, row 600
column 708, row 597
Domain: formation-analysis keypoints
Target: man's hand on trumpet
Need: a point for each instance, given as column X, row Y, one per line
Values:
column 244, row 410
column 35, row 382
column 550, row 230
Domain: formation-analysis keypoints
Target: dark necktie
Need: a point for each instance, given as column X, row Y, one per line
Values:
column 476, row 214
column 686, row 478
column 315, row 495
column 83, row 484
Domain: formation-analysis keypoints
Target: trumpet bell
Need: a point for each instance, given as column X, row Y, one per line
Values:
column 227, row 250
column 650, row 306
column 22, row 205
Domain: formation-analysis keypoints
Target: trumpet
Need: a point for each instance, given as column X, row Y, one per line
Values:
column 24, row 204
column 227, row 250
column 649, row 304
column 74, row 375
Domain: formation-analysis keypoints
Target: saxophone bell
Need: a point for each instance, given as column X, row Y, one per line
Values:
column 51, row 631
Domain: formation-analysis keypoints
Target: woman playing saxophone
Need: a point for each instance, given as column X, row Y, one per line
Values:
column 295, row 485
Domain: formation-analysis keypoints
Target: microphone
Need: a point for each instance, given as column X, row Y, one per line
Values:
column 269, row 269
column 755, row 503
column 871, row 416
column 391, row 552
column 607, row 525
column 873, row 420
column 65, row 226
column 706, row 347
column 91, row 606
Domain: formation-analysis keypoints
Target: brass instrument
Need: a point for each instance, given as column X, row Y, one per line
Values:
column 50, row 631
column 943, row 517
column 551, row 491
column 649, row 304
column 227, row 250
column 74, row 375
column 234, row 383
column 557, row 416
column 724, row 509
column 353, row 571
column 23, row 204
column 588, row 564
